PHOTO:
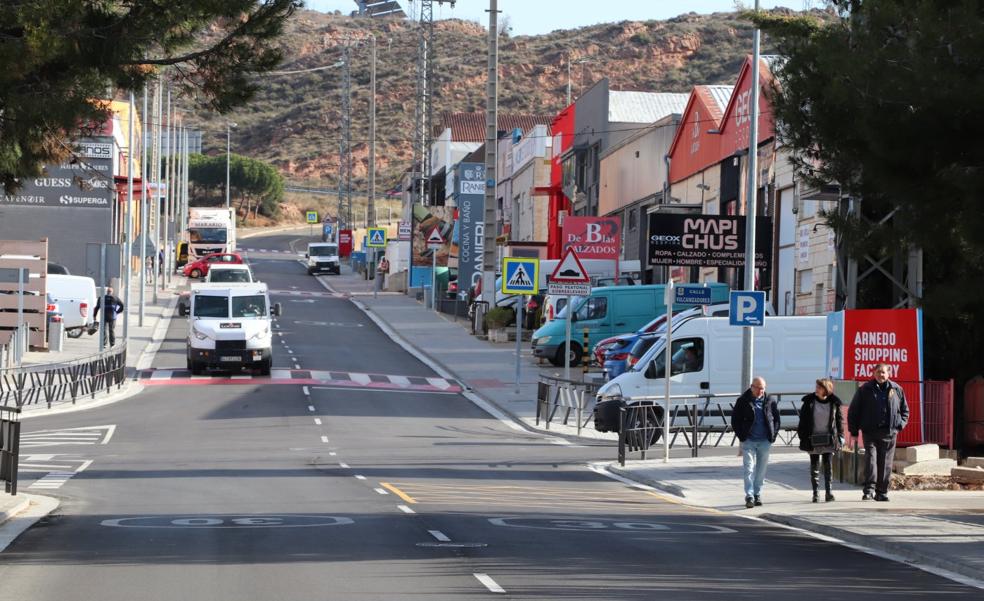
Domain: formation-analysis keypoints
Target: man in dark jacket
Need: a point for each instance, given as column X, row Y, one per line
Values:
column 879, row 412
column 755, row 420
column 111, row 307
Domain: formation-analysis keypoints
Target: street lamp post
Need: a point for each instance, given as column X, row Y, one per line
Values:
column 229, row 124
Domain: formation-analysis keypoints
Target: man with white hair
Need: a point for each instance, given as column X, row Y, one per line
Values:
column 755, row 420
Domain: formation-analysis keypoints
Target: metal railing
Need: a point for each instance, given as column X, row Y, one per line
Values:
column 555, row 393
column 698, row 419
column 55, row 382
column 12, row 352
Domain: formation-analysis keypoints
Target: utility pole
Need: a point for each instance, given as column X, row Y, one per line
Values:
column 372, row 129
column 143, row 208
column 751, row 202
column 155, row 212
column 168, row 186
column 228, row 148
column 131, row 153
column 491, row 139
column 568, row 79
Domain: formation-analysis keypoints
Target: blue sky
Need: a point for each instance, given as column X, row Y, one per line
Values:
column 531, row 17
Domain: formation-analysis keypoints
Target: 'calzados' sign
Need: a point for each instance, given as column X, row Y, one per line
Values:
column 706, row 240
column 593, row 237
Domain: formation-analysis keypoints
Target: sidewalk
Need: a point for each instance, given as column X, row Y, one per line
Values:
column 938, row 530
column 18, row 512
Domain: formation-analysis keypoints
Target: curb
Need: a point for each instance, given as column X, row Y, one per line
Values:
column 906, row 554
column 672, row 489
column 12, row 511
column 33, row 508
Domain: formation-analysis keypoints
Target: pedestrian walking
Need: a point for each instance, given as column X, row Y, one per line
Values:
column 879, row 412
column 821, row 433
column 755, row 421
column 111, row 306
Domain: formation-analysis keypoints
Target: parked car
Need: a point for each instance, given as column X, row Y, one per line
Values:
column 618, row 360
column 452, row 292
column 58, row 269
column 199, row 268
column 52, row 309
column 75, row 296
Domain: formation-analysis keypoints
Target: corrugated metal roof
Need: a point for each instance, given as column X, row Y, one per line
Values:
column 721, row 95
column 643, row 107
column 470, row 127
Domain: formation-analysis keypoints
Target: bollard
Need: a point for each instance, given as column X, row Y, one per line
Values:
column 586, row 355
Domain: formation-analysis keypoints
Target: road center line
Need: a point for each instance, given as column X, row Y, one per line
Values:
column 360, row 477
column 343, row 465
column 440, row 536
column 396, row 491
column 306, row 390
column 317, row 421
column 405, row 509
column 310, row 407
column 331, row 453
column 381, row 491
column 324, row 439
column 489, row 583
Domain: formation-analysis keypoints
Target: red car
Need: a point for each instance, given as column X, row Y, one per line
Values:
column 200, row 267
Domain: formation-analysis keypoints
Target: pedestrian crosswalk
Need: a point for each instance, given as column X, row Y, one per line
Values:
column 306, row 294
column 272, row 251
column 305, row 377
column 88, row 435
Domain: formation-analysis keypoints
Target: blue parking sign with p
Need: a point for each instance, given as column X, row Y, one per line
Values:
column 746, row 308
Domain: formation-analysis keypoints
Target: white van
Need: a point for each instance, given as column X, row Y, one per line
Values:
column 322, row 256
column 230, row 327
column 76, row 297
column 706, row 359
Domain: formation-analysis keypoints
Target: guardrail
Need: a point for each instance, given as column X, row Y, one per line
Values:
column 554, row 393
column 56, row 382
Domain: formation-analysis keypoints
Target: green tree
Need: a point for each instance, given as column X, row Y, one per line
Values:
column 255, row 187
column 58, row 58
column 888, row 100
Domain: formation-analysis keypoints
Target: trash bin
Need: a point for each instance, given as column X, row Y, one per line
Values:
column 56, row 336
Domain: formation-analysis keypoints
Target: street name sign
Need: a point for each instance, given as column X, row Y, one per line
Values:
column 376, row 238
column 690, row 294
column 520, row 275
column 569, row 278
column 312, row 217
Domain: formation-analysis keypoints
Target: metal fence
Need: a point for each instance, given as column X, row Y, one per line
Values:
column 699, row 420
column 554, row 394
column 56, row 382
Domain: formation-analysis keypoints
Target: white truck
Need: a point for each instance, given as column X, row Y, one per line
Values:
column 230, row 327
column 76, row 297
column 210, row 230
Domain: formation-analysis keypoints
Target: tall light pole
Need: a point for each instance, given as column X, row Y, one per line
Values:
column 372, row 129
column 751, row 202
column 229, row 124
column 144, row 207
column 491, row 144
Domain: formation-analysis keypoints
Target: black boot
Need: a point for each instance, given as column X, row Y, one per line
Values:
column 815, row 477
column 827, row 477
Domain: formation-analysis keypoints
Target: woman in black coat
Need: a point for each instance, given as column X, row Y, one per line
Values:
column 821, row 432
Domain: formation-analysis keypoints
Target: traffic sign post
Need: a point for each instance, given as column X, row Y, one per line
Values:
column 569, row 279
column 434, row 242
column 668, row 298
column 746, row 308
column 520, row 276
column 312, row 218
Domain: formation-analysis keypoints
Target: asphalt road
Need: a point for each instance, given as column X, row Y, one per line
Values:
column 367, row 488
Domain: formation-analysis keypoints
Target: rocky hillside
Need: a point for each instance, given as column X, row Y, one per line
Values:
column 295, row 119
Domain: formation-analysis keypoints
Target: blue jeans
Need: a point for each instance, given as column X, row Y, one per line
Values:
column 755, row 459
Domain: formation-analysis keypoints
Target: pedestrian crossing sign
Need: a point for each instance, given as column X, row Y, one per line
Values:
column 520, row 275
column 377, row 238
column 312, row 217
